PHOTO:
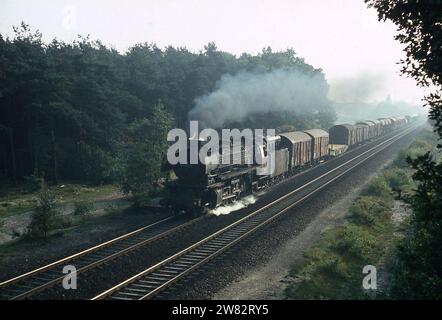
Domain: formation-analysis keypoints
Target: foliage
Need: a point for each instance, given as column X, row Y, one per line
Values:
column 355, row 241
column 419, row 267
column 44, row 216
column 378, row 187
column 83, row 209
column 332, row 268
column 143, row 154
column 67, row 110
column 369, row 211
column 397, row 178
column 33, row 182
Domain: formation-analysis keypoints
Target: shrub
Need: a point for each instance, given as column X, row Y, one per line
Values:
column 354, row 241
column 378, row 187
column 413, row 153
column 43, row 219
column 83, row 209
column 65, row 221
column 397, row 178
column 368, row 211
column 332, row 265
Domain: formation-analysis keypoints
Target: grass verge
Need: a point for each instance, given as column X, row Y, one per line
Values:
column 333, row 268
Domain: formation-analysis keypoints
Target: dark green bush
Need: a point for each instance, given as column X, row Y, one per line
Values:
column 378, row 187
column 83, row 209
column 368, row 211
column 397, row 178
column 355, row 242
column 44, row 217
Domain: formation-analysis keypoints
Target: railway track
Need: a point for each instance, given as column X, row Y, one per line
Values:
column 155, row 279
column 32, row 282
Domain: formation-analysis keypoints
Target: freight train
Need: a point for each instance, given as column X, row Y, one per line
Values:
column 204, row 186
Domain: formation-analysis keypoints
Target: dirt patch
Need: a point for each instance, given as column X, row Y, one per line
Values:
column 15, row 226
column 22, row 256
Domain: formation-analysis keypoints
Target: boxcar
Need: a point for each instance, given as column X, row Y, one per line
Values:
column 387, row 125
column 343, row 134
column 369, row 129
column 320, row 139
column 299, row 146
column 282, row 157
column 362, row 132
column 377, row 127
column 394, row 123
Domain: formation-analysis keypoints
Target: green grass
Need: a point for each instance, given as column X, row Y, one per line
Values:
column 14, row 200
column 332, row 268
column 66, row 226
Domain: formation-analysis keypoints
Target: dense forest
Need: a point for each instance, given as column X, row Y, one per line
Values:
column 86, row 113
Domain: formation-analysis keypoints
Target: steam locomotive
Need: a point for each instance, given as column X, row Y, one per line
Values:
column 208, row 185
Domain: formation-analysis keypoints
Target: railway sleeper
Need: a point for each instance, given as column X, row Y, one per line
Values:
column 166, row 274
column 159, row 277
column 188, row 258
column 175, row 268
column 130, row 294
column 167, row 270
column 196, row 255
column 121, row 298
column 137, row 290
column 147, row 287
column 150, row 282
column 203, row 250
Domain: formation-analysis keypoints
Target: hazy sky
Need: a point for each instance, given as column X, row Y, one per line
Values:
column 342, row 37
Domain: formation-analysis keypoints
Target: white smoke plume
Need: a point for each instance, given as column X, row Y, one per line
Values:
column 236, row 97
column 367, row 96
column 362, row 87
column 242, row 203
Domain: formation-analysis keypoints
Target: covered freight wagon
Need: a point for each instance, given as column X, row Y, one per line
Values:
column 320, row 139
column 343, row 134
column 361, row 132
column 299, row 145
column 368, row 130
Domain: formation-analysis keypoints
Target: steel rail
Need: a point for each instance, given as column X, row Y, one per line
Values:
column 47, row 276
column 158, row 277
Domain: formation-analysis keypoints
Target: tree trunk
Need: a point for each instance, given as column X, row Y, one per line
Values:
column 54, row 156
column 11, row 144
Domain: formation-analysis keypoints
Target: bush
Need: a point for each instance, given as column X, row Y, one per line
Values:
column 413, row 153
column 83, row 209
column 354, row 241
column 378, row 187
column 65, row 221
column 43, row 219
column 368, row 211
column 397, row 178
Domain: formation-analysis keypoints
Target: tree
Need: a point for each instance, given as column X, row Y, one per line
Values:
column 67, row 109
column 43, row 219
column 143, row 154
column 418, row 272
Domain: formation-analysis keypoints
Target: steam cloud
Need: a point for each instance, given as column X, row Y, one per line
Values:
column 366, row 96
column 242, row 203
column 363, row 87
column 236, row 97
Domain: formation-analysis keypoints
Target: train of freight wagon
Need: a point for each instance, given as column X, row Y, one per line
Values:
column 201, row 187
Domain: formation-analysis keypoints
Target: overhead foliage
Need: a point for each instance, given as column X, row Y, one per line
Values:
column 67, row 109
column 419, row 267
